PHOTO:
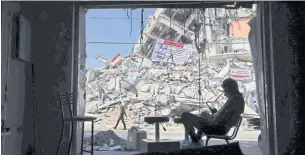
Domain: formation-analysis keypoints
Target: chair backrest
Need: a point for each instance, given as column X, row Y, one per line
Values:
column 235, row 131
column 66, row 101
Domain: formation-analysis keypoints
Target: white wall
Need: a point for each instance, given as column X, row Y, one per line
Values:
column 13, row 76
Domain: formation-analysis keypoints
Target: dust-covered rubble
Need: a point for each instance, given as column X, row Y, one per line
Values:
column 163, row 91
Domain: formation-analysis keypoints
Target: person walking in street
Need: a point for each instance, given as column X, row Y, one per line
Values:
column 121, row 116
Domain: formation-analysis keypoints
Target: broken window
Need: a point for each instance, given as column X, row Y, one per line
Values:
column 185, row 40
column 169, row 34
column 169, row 12
column 156, row 32
column 182, row 15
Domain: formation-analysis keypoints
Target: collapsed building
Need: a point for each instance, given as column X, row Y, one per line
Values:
column 170, row 86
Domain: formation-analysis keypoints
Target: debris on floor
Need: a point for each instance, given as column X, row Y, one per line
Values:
column 105, row 141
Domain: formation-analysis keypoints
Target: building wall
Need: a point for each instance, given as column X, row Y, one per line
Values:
column 12, row 85
column 51, row 25
column 286, row 52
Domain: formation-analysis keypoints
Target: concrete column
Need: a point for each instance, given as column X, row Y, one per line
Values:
column 284, row 49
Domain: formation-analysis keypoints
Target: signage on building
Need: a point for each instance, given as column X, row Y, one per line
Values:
column 166, row 51
column 132, row 70
column 241, row 74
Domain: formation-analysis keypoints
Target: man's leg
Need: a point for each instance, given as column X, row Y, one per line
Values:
column 117, row 122
column 123, row 121
column 190, row 121
column 210, row 128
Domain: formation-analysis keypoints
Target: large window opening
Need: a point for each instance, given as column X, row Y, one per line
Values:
column 156, row 52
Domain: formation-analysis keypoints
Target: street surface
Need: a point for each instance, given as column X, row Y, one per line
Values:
column 247, row 140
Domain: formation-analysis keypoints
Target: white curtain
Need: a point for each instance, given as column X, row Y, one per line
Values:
column 255, row 40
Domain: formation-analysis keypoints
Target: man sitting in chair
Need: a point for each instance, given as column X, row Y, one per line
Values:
column 221, row 121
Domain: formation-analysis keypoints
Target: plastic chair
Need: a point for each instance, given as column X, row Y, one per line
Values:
column 225, row 137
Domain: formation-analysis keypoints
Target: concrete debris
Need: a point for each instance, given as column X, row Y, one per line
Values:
column 105, row 141
column 163, row 91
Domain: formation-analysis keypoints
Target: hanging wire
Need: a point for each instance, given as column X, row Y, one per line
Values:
column 130, row 21
column 141, row 38
column 170, row 48
column 199, row 61
column 185, row 18
column 34, row 114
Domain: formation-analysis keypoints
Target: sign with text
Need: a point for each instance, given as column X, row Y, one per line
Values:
column 172, row 52
column 241, row 74
column 132, row 72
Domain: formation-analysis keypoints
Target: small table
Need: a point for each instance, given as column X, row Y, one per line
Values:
column 157, row 145
column 157, row 120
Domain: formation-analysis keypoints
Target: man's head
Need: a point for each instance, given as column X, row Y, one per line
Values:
column 230, row 87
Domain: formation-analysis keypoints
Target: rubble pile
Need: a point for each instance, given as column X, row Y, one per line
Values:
column 106, row 140
column 167, row 90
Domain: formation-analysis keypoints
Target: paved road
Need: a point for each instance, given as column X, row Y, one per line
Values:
column 247, row 139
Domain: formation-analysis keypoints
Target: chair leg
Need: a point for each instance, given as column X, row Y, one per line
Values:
column 71, row 138
column 61, row 135
column 92, row 132
column 207, row 141
column 82, row 138
column 227, row 141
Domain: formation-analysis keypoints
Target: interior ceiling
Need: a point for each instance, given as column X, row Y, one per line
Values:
column 164, row 4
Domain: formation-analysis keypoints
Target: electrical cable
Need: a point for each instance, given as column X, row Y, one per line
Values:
column 71, row 137
column 170, row 48
column 61, row 133
column 130, row 21
column 141, row 39
column 199, row 61
column 129, row 17
column 34, row 108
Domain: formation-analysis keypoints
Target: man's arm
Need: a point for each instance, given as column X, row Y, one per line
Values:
column 233, row 106
column 226, row 110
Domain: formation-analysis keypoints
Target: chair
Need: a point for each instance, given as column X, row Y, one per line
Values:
column 67, row 100
column 225, row 137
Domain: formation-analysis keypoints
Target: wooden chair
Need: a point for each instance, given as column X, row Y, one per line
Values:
column 68, row 100
column 225, row 137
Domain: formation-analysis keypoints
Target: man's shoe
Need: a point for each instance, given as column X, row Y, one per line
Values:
column 195, row 139
column 189, row 145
